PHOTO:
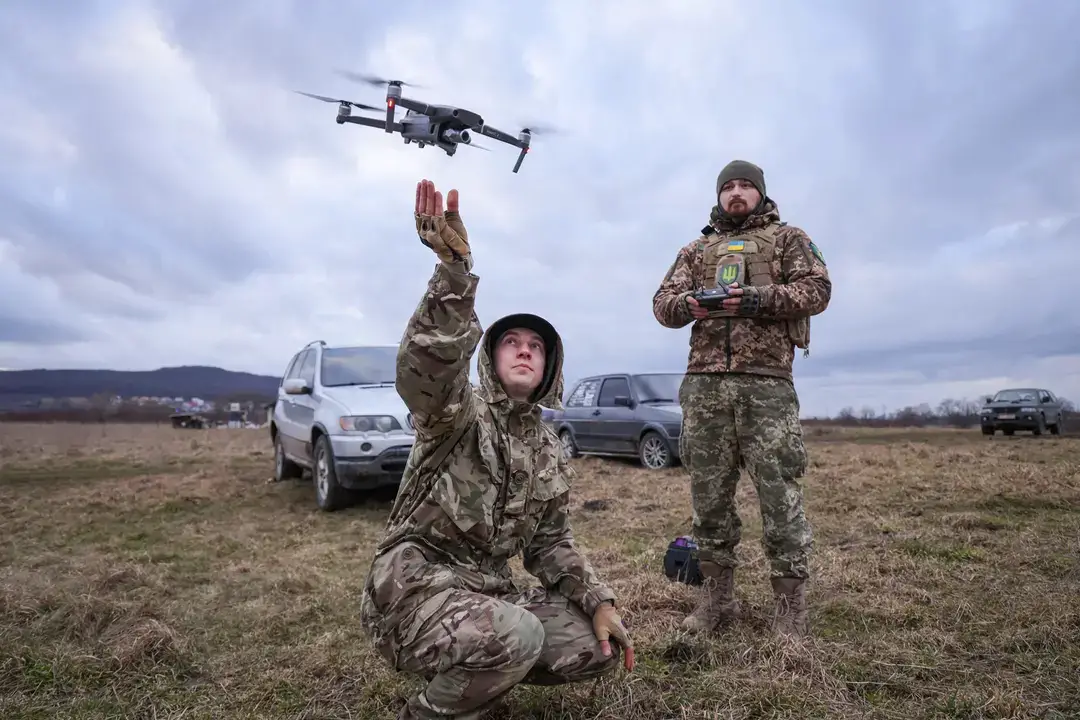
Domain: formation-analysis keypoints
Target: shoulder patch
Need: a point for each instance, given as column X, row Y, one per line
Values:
column 817, row 252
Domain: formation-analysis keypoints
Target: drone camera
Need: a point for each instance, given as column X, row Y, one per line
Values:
column 458, row 136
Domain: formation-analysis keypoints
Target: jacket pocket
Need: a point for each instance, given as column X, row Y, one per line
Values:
column 403, row 578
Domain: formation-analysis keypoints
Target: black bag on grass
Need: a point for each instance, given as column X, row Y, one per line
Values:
column 681, row 563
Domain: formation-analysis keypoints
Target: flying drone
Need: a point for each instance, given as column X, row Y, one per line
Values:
column 443, row 126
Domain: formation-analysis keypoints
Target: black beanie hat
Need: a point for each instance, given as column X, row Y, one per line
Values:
column 741, row 169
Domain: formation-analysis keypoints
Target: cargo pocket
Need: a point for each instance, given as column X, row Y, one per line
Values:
column 403, row 578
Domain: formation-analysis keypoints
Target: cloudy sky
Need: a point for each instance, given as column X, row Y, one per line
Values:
column 167, row 199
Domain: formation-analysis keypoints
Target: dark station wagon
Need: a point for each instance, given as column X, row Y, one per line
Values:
column 623, row 415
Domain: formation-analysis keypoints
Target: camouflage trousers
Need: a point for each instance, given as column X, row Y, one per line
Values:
column 473, row 647
column 736, row 421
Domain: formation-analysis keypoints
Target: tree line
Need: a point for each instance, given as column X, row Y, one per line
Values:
column 104, row 408
column 949, row 412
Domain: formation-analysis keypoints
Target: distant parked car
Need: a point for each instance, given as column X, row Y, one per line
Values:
column 623, row 415
column 1033, row 409
column 339, row 415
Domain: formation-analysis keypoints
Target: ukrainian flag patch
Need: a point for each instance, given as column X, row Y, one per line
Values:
column 736, row 246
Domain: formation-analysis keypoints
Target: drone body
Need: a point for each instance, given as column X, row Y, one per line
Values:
column 443, row 126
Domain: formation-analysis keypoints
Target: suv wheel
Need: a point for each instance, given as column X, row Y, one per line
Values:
column 329, row 495
column 569, row 448
column 284, row 468
column 1055, row 429
column 653, row 451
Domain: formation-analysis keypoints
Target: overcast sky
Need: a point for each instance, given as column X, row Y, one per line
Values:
column 167, row 199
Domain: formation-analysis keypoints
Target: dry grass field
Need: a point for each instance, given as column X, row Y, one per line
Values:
column 147, row 572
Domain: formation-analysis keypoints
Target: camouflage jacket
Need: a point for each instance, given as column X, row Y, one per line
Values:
column 760, row 344
column 503, row 487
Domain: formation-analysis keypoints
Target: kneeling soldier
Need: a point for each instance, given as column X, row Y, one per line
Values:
column 486, row 481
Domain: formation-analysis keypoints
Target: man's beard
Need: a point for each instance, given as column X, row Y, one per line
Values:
column 740, row 208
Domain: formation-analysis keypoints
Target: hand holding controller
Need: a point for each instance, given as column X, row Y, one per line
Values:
column 712, row 298
column 723, row 301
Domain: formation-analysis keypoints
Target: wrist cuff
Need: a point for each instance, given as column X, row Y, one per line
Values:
column 594, row 597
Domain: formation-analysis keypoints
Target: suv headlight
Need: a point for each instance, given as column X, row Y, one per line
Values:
column 369, row 423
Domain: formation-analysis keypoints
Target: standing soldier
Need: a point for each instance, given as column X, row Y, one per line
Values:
column 486, row 482
column 740, row 408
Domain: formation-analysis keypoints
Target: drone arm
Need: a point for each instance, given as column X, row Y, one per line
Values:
column 496, row 134
column 416, row 107
column 372, row 122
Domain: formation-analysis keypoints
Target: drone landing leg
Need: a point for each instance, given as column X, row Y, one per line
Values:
column 521, row 157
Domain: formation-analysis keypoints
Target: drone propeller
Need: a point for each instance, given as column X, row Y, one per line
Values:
column 375, row 80
column 335, row 100
column 474, row 145
column 540, row 129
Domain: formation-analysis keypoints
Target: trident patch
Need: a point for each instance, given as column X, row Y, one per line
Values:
column 730, row 270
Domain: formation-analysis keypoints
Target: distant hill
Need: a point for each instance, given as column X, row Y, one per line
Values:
column 208, row 383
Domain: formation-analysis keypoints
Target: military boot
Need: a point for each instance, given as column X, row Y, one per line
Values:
column 718, row 604
column 789, row 606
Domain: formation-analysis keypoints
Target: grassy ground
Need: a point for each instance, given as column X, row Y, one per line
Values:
column 151, row 572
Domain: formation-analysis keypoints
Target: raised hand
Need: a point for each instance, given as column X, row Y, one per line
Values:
column 442, row 232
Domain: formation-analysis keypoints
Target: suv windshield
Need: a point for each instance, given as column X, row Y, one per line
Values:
column 658, row 387
column 1015, row 396
column 359, row 366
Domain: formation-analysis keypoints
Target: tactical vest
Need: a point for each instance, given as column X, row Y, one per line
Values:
column 748, row 259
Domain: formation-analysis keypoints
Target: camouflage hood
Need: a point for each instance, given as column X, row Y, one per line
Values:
column 549, row 392
column 767, row 212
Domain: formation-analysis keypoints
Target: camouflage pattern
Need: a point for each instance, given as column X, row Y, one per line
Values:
column 474, row 647
column 734, row 421
column 486, row 481
column 760, row 343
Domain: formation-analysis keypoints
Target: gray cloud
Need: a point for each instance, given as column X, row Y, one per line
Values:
column 35, row 331
column 163, row 190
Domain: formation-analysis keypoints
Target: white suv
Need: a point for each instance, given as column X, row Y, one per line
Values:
column 338, row 415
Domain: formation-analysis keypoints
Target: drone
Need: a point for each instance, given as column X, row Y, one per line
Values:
column 443, row 126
